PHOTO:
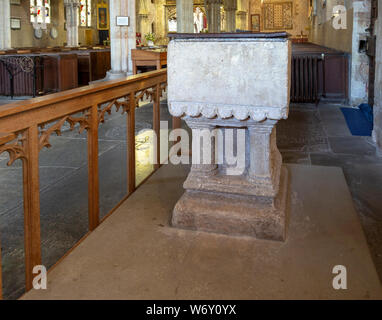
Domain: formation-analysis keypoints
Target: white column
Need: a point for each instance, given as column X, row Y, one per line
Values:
column 122, row 39
column 185, row 16
column 5, row 24
column 72, row 13
column 132, row 34
column 75, row 12
column 68, row 15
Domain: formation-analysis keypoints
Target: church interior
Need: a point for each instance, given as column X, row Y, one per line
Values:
column 85, row 87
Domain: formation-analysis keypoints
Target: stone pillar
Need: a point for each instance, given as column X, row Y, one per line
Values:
column 241, row 15
column 72, row 11
column 359, row 60
column 242, row 21
column 230, row 7
column 68, row 14
column 249, row 197
column 377, row 132
column 265, row 158
column 213, row 15
column 185, row 16
column 76, row 6
column 122, row 39
column 5, row 25
column 131, row 34
column 202, row 138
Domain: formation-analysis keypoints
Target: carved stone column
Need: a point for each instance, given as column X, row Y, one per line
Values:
column 68, row 21
column 213, row 15
column 241, row 14
column 265, row 158
column 122, row 39
column 185, row 16
column 131, row 34
column 72, row 7
column 230, row 7
column 241, row 17
column 203, row 143
column 248, row 198
column 75, row 17
column 5, row 27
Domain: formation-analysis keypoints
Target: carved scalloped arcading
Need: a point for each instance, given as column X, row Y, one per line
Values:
column 179, row 109
column 15, row 149
column 57, row 128
column 149, row 93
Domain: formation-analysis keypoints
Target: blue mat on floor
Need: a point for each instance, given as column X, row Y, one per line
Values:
column 359, row 120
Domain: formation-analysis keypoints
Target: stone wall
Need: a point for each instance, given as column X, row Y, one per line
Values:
column 300, row 15
column 25, row 36
column 377, row 133
column 347, row 40
column 322, row 31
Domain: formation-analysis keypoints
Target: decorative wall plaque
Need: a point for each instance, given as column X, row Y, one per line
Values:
column 15, row 23
column 123, row 21
column 278, row 16
column 53, row 33
column 38, row 33
column 102, row 17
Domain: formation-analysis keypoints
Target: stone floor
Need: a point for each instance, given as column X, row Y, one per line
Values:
column 320, row 136
column 149, row 259
column 310, row 136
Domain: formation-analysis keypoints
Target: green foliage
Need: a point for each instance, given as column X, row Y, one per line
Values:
column 150, row 36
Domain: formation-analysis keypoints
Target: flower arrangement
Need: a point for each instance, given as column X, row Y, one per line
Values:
column 150, row 38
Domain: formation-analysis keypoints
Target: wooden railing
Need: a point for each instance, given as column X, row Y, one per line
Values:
column 26, row 126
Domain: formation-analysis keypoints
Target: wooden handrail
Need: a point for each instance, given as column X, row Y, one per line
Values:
column 96, row 92
column 24, row 132
column 6, row 137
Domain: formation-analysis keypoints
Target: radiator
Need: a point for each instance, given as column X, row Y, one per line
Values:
column 305, row 78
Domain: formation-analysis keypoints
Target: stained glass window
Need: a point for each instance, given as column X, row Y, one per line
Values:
column 40, row 11
column 85, row 13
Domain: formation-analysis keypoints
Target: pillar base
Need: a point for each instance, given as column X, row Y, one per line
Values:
column 233, row 214
column 110, row 75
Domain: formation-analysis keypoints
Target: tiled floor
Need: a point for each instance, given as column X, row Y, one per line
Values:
column 319, row 136
column 311, row 136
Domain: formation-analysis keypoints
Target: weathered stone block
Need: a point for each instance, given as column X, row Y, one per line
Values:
column 234, row 214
